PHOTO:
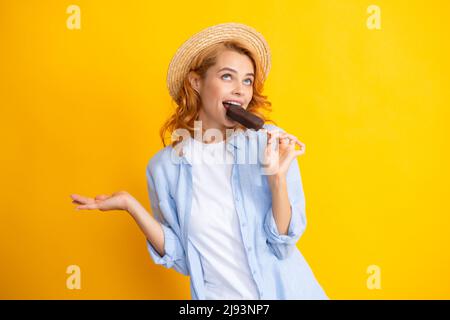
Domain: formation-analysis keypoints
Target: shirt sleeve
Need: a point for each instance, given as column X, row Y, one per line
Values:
column 174, row 255
column 282, row 245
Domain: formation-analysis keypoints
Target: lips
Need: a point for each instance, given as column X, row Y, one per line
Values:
column 227, row 105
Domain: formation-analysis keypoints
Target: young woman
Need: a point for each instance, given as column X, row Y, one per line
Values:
column 229, row 223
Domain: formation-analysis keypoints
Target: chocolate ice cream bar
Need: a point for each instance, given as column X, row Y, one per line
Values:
column 247, row 119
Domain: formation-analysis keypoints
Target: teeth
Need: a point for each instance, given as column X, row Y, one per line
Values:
column 233, row 103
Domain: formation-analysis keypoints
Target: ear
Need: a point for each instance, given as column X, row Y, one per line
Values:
column 194, row 80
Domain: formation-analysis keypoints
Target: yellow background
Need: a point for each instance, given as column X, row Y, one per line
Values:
column 81, row 112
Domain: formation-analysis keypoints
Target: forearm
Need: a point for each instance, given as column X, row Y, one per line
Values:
column 281, row 207
column 148, row 224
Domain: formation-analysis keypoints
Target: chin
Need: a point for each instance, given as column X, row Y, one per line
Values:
column 230, row 123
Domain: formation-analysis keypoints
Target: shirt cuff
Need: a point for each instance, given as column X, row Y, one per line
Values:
column 283, row 245
column 273, row 234
column 173, row 250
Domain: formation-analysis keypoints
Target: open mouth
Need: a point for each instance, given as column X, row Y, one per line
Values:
column 231, row 104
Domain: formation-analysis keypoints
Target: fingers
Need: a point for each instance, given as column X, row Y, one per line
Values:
column 92, row 206
column 283, row 136
column 269, row 147
column 271, row 140
column 285, row 140
column 81, row 199
column 273, row 133
column 292, row 137
column 273, row 136
column 286, row 145
column 102, row 197
column 301, row 151
column 86, row 203
column 294, row 141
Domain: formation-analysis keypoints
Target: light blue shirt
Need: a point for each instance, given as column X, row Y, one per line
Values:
column 277, row 266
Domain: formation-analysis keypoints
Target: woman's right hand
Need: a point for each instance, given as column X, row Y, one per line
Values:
column 122, row 200
column 117, row 201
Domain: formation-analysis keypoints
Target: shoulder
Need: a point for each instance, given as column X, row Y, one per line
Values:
column 162, row 171
column 269, row 127
column 162, row 162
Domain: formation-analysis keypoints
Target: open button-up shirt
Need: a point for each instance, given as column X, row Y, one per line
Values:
column 277, row 266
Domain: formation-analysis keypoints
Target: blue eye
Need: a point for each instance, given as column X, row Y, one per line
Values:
column 227, row 74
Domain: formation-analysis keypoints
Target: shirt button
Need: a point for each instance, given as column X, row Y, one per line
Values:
column 249, row 248
column 237, row 198
column 244, row 224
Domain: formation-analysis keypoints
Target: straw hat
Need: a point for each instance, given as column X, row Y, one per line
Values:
column 179, row 66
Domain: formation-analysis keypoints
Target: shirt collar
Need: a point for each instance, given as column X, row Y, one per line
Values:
column 234, row 142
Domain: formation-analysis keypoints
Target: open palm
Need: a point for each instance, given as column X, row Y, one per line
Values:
column 103, row 202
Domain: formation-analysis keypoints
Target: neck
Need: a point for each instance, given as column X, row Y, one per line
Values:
column 211, row 139
column 205, row 126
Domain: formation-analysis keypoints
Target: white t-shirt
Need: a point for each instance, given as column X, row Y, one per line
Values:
column 214, row 224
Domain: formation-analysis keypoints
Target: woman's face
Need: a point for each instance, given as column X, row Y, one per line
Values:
column 231, row 78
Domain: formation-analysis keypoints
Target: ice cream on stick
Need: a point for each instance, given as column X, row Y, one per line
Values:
column 247, row 119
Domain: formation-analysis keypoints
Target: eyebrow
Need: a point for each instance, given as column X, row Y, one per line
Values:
column 232, row 70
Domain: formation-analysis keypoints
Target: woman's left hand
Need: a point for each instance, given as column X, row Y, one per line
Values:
column 277, row 160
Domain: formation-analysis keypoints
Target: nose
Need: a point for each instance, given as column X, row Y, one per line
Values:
column 238, row 90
